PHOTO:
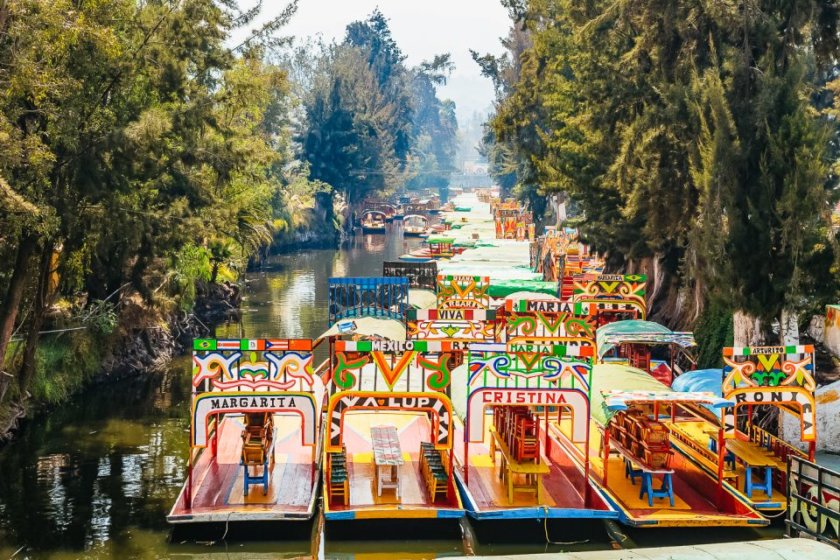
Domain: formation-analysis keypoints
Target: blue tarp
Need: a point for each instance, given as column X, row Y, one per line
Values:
column 709, row 380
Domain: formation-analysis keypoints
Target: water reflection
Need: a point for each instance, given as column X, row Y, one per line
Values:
column 96, row 477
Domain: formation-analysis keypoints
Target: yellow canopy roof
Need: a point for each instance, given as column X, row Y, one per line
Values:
column 421, row 299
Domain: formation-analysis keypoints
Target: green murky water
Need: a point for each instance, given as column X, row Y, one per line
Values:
column 96, row 477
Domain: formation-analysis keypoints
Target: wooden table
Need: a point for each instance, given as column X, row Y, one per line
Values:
column 754, row 458
column 387, row 456
column 533, row 472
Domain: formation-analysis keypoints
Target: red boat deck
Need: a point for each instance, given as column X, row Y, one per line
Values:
column 414, row 500
column 218, row 480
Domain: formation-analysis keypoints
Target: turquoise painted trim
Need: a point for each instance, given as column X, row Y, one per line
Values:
column 340, row 515
column 451, row 513
column 537, row 513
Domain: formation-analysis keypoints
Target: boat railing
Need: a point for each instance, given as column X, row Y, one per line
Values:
column 778, row 446
column 813, row 494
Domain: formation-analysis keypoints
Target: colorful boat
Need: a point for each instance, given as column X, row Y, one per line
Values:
column 747, row 460
column 389, row 443
column 647, row 346
column 512, row 466
column 436, row 248
column 373, row 221
column 615, row 297
column 388, row 209
column 504, row 392
column 254, row 425
column 649, row 481
column 415, row 225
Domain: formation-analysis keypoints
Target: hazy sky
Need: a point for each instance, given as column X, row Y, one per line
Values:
column 422, row 29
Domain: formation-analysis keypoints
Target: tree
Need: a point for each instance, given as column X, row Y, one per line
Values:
column 130, row 131
column 687, row 134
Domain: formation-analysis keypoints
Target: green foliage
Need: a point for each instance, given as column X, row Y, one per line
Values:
column 191, row 264
column 713, row 330
column 373, row 125
column 65, row 363
column 686, row 132
column 435, row 127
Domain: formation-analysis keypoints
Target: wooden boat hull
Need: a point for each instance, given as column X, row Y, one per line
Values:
column 218, row 488
column 373, row 229
column 364, row 502
column 413, row 233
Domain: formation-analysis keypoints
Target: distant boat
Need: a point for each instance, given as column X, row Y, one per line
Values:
column 373, row 221
column 415, row 225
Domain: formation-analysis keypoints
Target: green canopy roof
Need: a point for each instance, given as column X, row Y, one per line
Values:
column 639, row 332
column 624, row 385
column 502, row 288
column 440, row 240
column 625, row 378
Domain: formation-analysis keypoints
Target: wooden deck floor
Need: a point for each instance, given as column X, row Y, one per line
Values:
column 695, row 430
column 218, row 488
column 693, row 503
column 489, row 493
column 412, row 429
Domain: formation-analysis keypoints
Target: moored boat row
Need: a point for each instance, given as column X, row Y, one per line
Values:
column 500, row 377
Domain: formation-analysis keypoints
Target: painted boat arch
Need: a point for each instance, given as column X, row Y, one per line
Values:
column 245, row 396
column 408, row 384
column 780, row 376
column 463, row 292
column 437, row 405
column 546, row 319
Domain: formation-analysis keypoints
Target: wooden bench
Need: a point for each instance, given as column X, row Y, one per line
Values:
column 532, row 471
column 702, row 453
column 754, row 458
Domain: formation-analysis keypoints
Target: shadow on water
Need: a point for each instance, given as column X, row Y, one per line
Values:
column 96, row 477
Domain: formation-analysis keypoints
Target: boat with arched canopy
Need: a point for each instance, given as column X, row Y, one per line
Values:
column 254, row 424
column 373, row 221
column 415, row 225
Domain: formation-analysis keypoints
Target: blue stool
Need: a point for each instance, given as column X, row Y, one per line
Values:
column 631, row 472
column 728, row 458
column 664, row 491
column 767, row 485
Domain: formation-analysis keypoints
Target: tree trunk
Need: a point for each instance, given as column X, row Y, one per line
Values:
column 11, row 303
column 748, row 330
column 39, row 309
column 789, row 324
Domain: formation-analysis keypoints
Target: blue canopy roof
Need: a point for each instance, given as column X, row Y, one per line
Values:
column 708, row 380
column 699, row 380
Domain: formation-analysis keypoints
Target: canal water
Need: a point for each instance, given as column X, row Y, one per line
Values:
column 96, row 477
